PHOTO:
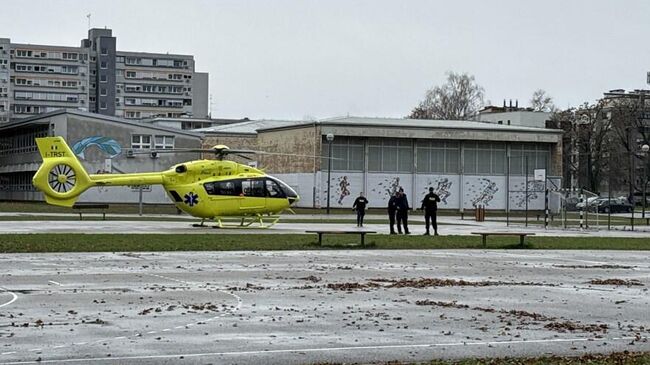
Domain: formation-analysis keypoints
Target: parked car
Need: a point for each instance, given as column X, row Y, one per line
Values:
column 614, row 205
column 590, row 202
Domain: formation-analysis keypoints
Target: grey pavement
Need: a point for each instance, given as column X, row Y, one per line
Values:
column 449, row 226
column 312, row 307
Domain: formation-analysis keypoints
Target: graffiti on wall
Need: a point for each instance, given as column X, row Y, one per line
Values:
column 481, row 191
column 105, row 144
column 388, row 187
column 441, row 187
column 535, row 191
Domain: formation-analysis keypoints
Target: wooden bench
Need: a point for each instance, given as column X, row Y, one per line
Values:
column 82, row 206
column 322, row 232
column 521, row 235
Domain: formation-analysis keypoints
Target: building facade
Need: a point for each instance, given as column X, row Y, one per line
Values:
column 98, row 78
column 101, row 143
column 467, row 163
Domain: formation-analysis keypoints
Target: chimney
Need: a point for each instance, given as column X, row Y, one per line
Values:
column 517, row 104
column 504, row 103
column 510, row 103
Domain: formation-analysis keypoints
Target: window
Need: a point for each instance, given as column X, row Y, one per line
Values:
column 164, row 142
column 485, row 158
column 390, row 155
column 23, row 53
column 132, row 61
column 104, row 51
column 130, row 74
column 69, row 69
column 438, row 157
column 253, row 188
column 103, row 92
column 69, row 56
column 102, row 105
column 132, row 115
column 538, row 156
column 347, row 154
column 274, row 190
column 229, row 188
column 140, row 141
column 103, row 65
column 103, row 78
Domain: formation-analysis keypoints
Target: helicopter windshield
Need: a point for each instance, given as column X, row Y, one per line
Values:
column 286, row 189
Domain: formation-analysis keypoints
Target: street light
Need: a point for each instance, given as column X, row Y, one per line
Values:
column 645, row 148
column 330, row 139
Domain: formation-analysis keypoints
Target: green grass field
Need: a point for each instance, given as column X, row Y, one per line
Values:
column 24, row 243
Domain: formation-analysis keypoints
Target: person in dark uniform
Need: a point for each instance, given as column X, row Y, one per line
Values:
column 430, row 207
column 402, row 212
column 392, row 209
column 360, row 207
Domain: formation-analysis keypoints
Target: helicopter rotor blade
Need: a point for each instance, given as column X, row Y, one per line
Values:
column 243, row 156
column 225, row 152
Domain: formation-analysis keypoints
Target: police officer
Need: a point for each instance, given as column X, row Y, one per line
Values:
column 402, row 212
column 392, row 210
column 430, row 207
column 360, row 207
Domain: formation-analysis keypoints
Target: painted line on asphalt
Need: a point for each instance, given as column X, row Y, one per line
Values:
column 54, row 282
column 186, row 326
column 328, row 349
column 14, row 297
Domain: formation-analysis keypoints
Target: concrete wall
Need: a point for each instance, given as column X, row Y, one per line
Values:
column 455, row 191
column 97, row 161
column 299, row 142
column 200, row 92
column 522, row 118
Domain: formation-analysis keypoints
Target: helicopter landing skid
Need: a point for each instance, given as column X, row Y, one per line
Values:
column 255, row 221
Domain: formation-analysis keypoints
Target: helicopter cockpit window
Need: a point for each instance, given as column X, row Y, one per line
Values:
column 221, row 188
column 274, row 190
column 253, row 188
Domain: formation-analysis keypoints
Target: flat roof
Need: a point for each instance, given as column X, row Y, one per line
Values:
column 414, row 124
column 39, row 119
column 250, row 127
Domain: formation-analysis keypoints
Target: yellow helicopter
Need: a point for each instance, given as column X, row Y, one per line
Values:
column 206, row 189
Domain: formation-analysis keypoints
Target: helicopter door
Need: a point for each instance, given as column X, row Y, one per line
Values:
column 253, row 195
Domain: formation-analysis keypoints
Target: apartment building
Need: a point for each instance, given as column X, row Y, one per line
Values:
column 98, row 78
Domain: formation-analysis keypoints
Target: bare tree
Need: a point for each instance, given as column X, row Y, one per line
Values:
column 585, row 144
column 630, row 128
column 459, row 98
column 542, row 102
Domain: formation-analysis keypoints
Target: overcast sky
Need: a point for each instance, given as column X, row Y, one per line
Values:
column 291, row 59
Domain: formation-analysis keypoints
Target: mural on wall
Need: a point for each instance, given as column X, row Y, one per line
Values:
column 105, row 144
column 535, row 191
column 343, row 189
column 441, row 186
column 387, row 186
column 480, row 192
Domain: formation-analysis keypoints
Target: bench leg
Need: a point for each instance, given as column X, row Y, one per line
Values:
column 320, row 239
column 104, row 215
column 484, row 239
column 80, row 216
column 521, row 240
column 363, row 240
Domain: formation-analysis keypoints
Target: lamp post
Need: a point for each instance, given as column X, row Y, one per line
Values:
column 330, row 139
column 645, row 148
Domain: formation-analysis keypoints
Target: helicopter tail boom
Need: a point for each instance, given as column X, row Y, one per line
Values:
column 62, row 178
